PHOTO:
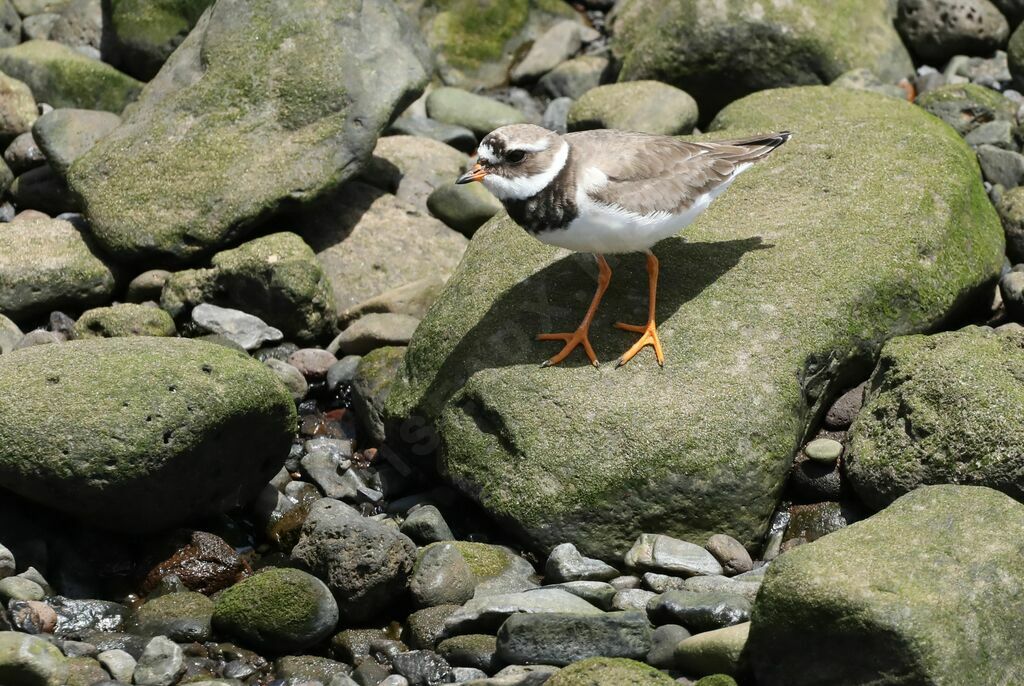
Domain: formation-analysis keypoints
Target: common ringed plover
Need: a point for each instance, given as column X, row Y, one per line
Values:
column 608, row 191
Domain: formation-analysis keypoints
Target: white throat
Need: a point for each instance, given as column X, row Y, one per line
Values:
column 522, row 187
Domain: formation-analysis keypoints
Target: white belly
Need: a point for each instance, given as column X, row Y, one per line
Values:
column 600, row 228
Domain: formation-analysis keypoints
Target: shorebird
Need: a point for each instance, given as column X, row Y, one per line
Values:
column 607, row 191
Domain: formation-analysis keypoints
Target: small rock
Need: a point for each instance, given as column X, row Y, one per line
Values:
column 373, row 331
column 425, row 628
column 422, row 668
column 313, row 363
column 206, row 563
column 563, row 638
column 37, row 337
column 124, row 319
column 556, row 115
column 814, row 481
column 713, row 652
column 119, row 664
column 659, row 583
column 845, row 409
column 733, row 557
column 23, row 154
column 575, row 77
column 659, row 553
column 183, row 617
column 426, row 525
column 997, row 133
column 459, row 137
column 737, row 585
column 17, row 108
column 663, row 645
column 64, row 135
column 18, row 588
column 631, row 599
column 1003, row 167
column 292, row 378
column 554, row 46
column 699, row 612
column 865, row 80
column 967, row 106
column 41, row 188
column 371, row 386
column 162, row 663
column 244, row 329
column 471, row 650
column 479, row 114
column 566, row 563
column 646, row 106
column 489, row 612
column 464, row 207
column 327, row 470
column 597, row 593
column 824, row 450
column 441, row 577
column 38, row 26
column 342, row 371
column 147, row 286
column 7, row 564
column 626, row 581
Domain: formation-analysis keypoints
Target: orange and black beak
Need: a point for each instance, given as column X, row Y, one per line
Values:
column 477, row 173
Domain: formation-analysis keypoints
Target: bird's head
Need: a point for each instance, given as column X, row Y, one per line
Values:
column 518, row 161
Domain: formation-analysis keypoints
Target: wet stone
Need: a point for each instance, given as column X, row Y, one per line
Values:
column 244, row 329
column 659, row 553
column 597, row 593
column 471, row 650
column 312, row 362
column 161, row 663
column 566, row 563
column 632, row 599
column 423, row 668
column 118, row 664
column 206, row 563
column 564, row 638
column 76, row 618
column 441, row 577
column 733, row 557
column 825, row 450
column 426, row 525
column 700, row 611
column 664, row 640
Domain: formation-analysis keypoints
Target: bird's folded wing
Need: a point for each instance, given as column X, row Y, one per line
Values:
column 651, row 174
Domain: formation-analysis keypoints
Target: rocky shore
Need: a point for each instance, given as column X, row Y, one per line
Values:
column 270, row 405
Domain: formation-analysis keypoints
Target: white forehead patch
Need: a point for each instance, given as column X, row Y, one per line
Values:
column 485, row 153
column 522, row 187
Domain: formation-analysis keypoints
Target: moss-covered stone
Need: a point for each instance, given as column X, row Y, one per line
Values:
column 965, row 106
column 30, row 661
column 646, row 106
column 560, row 452
column 721, row 50
column 947, row 408
column 283, row 100
column 17, row 108
column 476, row 40
column 609, row 671
column 373, row 380
column 711, row 652
column 277, row 610
column 63, row 77
column 48, row 264
column 147, row 31
column 182, row 617
column 124, row 319
column 925, row 592
column 276, row 278
column 151, row 431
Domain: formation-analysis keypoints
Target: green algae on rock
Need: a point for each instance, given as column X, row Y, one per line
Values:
column 266, row 102
column 647, row 106
column 276, row 278
column 48, row 264
column 31, row 660
column 146, row 32
column 476, row 40
column 947, row 408
column 151, row 432
column 124, row 319
column 925, row 592
column 721, row 50
column 62, row 77
column 609, row 671
column 765, row 317
column 277, row 610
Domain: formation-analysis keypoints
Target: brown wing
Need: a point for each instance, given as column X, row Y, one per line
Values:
column 648, row 174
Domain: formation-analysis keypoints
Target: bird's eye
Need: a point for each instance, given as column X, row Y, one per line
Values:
column 516, row 156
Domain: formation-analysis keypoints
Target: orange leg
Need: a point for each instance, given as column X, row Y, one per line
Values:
column 649, row 332
column 579, row 336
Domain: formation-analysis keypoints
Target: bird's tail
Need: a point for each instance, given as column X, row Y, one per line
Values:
column 751, row 149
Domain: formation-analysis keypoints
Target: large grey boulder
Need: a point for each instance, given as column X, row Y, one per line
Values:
column 181, row 429
column 925, row 592
column 264, row 103
column 48, row 264
column 947, row 408
column 703, row 445
column 718, row 51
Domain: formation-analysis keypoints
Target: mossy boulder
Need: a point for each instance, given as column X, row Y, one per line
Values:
column 48, row 264
column 124, row 319
column 146, row 32
column 646, row 106
column 475, row 41
column 609, row 671
column 30, row 661
column 599, row 456
column 719, row 51
column 180, row 429
column 277, row 610
column 62, row 77
column 276, row 278
column 283, row 100
column 947, row 408
column 925, row 592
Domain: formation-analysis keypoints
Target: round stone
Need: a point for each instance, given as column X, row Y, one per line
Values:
column 30, row 660
column 17, row 588
column 279, row 610
column 824, row 450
